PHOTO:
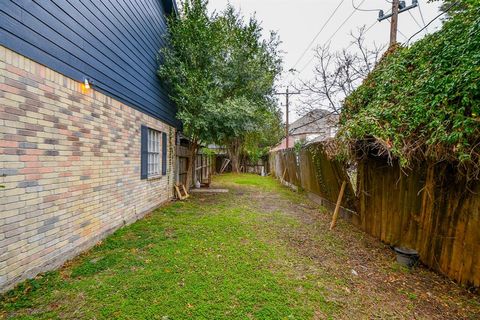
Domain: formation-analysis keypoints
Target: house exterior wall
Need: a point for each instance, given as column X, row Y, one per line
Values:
column 112, row 43
column 70, row 167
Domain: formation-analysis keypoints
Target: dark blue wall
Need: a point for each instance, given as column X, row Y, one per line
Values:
column 112, row 42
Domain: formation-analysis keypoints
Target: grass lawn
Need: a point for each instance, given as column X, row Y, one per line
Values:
column 257, row 252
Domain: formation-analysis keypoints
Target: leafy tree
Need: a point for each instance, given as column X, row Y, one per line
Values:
column 247, row 78
column 188, row 65
column 258, row 143
column 221, row 76
column 453, row 6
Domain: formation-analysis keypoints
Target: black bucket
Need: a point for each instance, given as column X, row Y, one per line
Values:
column 406, row 257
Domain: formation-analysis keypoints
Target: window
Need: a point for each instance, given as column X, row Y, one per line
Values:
column 153, row 150
column 153, row 156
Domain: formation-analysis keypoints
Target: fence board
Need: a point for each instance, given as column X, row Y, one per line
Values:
column 426, row 209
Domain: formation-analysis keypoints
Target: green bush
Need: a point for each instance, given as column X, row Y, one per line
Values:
column 423, row 102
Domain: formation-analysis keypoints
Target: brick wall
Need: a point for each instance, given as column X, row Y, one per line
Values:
column 70, row 165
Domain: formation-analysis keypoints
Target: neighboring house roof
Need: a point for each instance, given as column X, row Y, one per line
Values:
column 283, row 144
column 315, row 121
column 317, row 125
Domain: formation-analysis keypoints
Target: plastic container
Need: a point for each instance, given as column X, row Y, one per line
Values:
column 406, row 257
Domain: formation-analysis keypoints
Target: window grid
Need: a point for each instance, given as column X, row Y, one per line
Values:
column 153, row 152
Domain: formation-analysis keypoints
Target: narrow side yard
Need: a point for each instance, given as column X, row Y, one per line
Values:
column 258, row 252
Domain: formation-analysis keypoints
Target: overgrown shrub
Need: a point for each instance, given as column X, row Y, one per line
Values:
column 423, row 102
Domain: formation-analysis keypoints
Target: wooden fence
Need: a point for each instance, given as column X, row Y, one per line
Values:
column 426, row 209
column 313, row 172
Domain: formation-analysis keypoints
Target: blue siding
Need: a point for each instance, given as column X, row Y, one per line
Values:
column 113, row 42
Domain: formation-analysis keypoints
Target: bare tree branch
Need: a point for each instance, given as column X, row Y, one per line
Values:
column 337, row 74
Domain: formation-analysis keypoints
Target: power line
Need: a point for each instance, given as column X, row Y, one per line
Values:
column 364, row 33
column 305, row 66
column 331, row 37
column 399, row 31
column 360, row 9
column 318, row 33
column 414, row 19
column 438, row 16
column 371, row 26
column 343, row 23
column 403, row 34
column 421, row 15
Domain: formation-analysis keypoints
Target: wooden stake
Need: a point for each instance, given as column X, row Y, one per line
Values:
column 337, row 207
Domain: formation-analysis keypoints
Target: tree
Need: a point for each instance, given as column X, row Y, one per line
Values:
column 258, row 143
column 188, row 66
column 220, row 74
column 453, row 6
column 247, row 80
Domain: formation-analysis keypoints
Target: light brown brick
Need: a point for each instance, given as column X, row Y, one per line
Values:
column 72, row 169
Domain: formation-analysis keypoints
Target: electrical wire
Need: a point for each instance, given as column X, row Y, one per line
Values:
column 403, row 34
column 360, row 9
column 399, row 31
column 421, row 15
column 364, row 33
column 438, row 16
column 414, row 19
column 343, row 23
column 330, row 38
column 316, row 36
column 366, row 30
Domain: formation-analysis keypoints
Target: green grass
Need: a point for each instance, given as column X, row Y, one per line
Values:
column 266, row 184
column 216, row 257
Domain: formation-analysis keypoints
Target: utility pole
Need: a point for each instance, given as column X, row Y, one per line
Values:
column 286, row 120
column 394, row 22
column 398, row 6
column 287, row 94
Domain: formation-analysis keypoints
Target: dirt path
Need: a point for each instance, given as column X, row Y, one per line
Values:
column 367, row 281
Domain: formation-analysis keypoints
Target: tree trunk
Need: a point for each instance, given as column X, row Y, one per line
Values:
column 235, row 166
column 193, row 146
column 234, row 154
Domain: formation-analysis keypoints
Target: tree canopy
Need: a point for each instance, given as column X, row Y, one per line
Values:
column 221, row 75
column 423, row 102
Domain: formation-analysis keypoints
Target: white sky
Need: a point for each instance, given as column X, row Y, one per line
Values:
column 298, row 21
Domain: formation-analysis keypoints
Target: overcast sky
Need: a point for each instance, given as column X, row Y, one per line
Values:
column 298, row 21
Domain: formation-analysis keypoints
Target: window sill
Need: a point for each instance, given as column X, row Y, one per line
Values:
column 156, row 177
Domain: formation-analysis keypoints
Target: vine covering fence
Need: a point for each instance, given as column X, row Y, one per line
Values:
column 427, row 208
